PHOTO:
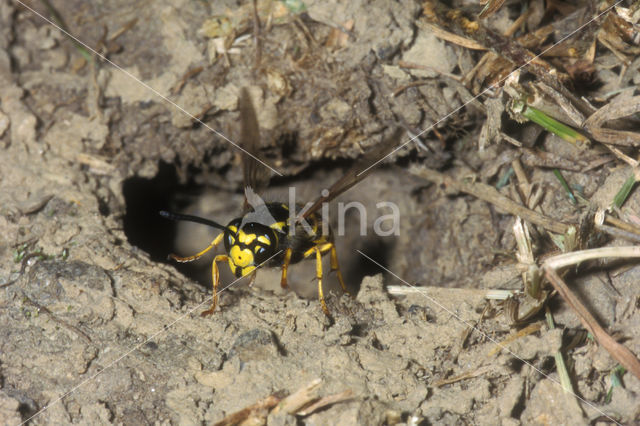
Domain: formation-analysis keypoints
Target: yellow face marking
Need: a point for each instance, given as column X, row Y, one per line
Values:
column 233, row 228
column 278, row 226
column 240, row 257
column 243, row 271
column 232, row 266
column 246, row 238
column 246, row 271
column 284, row 206
column 264, row 240
column 256, row 249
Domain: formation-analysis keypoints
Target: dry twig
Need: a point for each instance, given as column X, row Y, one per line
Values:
column 619, row 352
column 491, row 195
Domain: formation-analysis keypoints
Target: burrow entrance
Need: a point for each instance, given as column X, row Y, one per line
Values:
column 147, row 230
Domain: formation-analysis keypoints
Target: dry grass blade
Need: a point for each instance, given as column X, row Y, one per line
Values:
column 490, row 8
column 561, row 366
column 451, row 37
column 614, row 110
column 469, row 375
column 620, row 228
column 491, row 195
column 454, row 21
column 530, row 329
column 302, row 402
column 253, row 414
column 454, row 293
column 619, row 352
column 299, row 399
column 326, row 401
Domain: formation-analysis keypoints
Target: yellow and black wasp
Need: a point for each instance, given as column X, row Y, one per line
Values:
column 268, row 233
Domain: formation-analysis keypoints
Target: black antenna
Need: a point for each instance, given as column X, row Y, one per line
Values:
column 189, row 218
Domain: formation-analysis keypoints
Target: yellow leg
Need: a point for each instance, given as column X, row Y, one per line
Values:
column 336, row 267
column 215, row 278
column 319, row 277
column 325, row 247
column 214, row 243
column 285, row 266
column 319, row 251
column 334, row 261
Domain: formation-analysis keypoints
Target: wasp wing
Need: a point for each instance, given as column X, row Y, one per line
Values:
column 357, row 172
column 256, row 175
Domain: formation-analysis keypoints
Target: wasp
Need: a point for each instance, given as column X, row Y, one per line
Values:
column 268, row 233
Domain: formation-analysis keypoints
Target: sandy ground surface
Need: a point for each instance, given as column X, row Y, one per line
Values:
column 100, row 328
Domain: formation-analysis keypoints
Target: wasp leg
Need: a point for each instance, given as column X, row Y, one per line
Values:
column 336, row 267
column 319, row 250
column 330, row 246
column 215, row 274
column 215, row 278
column 319, row 276
column 214, row 243
column 285, row 266
column 252, row 279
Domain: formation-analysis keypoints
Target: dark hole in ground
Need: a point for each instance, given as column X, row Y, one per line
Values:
column 143, row 226
column 156, row 235
column 152, row 233
column 377, row 248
